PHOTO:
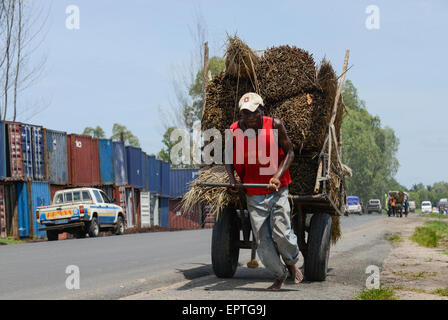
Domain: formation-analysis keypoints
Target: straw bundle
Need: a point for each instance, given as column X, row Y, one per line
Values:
column 240, row 59
column 217, row 197
column 284, row 72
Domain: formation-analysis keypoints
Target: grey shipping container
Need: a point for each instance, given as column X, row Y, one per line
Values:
column 120, row 165
column 56, row 157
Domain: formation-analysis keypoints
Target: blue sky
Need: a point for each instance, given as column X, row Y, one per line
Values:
column 117, row 67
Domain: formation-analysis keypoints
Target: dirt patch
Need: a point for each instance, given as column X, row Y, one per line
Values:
column 413, row 271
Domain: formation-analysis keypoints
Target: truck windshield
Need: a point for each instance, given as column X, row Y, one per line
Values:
column 352, row 201
column 59, row 199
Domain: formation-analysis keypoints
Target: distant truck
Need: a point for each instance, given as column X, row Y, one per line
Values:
column 80, row 211
column 353, row 205
column 374, row 205
column 426, row 206
column 443, row 205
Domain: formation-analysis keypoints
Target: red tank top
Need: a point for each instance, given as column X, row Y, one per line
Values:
column 260, row 157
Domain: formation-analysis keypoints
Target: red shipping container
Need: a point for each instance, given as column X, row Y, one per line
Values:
column 3, row 232
column 69, row 161
column 15, row 161
column 53, row 190
column 180, row 219
column 85, row 165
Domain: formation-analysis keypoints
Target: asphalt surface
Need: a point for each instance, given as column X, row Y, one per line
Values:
column 167, row 265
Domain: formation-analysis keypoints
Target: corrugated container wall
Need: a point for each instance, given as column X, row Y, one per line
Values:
column 85, row 168
column 40, row 196
column 183, row 220
column 56, row 157
column 33, row 152
column 120, row 166
column 134, row 166
column 3, row 229
column 180, row 180
column 14, row 161
column 164, row 212
column 23, row 209
column 106, row 161
column 154, row 175
column 2, row 151
column 165, row 179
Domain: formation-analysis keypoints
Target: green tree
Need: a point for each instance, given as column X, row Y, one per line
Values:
column 97, row 132
column 119, row 130
column 369, row 149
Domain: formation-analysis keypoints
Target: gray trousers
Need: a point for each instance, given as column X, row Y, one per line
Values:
column 271, row 224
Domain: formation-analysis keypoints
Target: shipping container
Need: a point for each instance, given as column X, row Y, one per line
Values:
column 145, row 212
column 180, row 219
column 33, row 152
column 14, row 159
column 11, row 221
column 54, row 189
column 69, row 160
column 124, row 197
column 154, row 207
column 144, row 171
column 154, row 176
column 180, row 180
column 85, row 167
column 56, row 157
column 106, row 161
column 165, row 179
column 120, row 164
column 23, row 207
column 2, row 151
column 40, row 196
column 164, row 212
column 134, row 166
column 3, row 231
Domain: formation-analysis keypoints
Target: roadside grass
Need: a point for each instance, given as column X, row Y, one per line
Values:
column 441, row 292
column 416, row 275
column 377, row 294
column 10, row 241
column 395, row 238
column 430, row 234
column 434, row 215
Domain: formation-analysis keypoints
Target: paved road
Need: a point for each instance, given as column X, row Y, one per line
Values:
column 121, row 266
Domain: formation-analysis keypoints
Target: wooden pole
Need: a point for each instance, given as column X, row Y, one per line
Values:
column 205, row 76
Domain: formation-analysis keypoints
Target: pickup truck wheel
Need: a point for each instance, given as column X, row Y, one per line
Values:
column 80, row 234
column 94, row 228
column 52, row 235
column 119, row 229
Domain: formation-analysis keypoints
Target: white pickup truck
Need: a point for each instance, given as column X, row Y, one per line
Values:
column 80, row 211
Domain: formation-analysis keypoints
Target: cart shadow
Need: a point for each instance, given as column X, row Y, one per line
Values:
column 243, row 280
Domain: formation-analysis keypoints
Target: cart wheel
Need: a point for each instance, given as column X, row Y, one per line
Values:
column 225, row 251
column 316, row 262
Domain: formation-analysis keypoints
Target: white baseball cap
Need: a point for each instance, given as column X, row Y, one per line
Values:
column 250, row 101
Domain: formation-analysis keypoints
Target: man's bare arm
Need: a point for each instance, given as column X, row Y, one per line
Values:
column 285, row 143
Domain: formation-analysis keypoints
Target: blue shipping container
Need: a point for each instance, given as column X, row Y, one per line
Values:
column 134, row 166
column 164, row 212
column 40, row 196
column 23, row 209
column 2, row 151
column 165, row 179
column 180, row 180
column 56, row 156
column 154, row 175
column 120, row 164
column 106, row 161
column 33, row 152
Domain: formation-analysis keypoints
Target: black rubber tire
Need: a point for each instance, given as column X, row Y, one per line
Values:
column 225, row 252
column 119, row 228
column 94, row 228
column 52, row 235
column 316, row 262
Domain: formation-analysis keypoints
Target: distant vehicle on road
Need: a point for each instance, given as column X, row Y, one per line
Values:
column 443, row 205
column 353, row 205
column 426, row 207
column 374, row 205
column 412, row 206
column 80, row 211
